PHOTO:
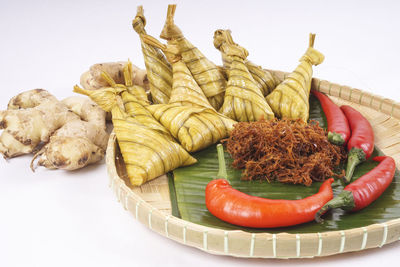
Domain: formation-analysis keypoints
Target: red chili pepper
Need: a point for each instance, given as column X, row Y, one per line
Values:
column 366, row 189
column 338, row 126
column 361, row 142
column 238, row 208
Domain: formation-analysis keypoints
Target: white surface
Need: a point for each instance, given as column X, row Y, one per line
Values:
column 57, row 218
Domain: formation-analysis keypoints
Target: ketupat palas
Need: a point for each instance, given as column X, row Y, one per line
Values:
column 185, row 89
column 146, row 146
column 244, row 100
column 206, row 73
column 195, row 127
column 36, row 117
column 136, row 109
column 264, row 79
column 290, row 98
column 134, row 106
column 159, row 71
column 188, row 116
column 134, row 103
column 147, row 153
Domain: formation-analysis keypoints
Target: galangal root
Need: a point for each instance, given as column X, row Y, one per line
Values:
column 68, row 134
column 92, row 79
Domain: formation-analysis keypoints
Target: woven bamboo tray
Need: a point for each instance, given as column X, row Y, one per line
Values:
column 150, row 203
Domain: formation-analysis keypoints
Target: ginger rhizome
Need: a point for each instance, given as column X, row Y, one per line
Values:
column 93, row 80
column 68, row 134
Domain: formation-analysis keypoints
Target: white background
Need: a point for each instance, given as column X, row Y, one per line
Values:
column 57, row 218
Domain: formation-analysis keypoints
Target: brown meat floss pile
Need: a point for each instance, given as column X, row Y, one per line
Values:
column 284, row 150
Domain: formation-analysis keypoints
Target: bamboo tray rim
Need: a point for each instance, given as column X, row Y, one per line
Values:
column 219, row 241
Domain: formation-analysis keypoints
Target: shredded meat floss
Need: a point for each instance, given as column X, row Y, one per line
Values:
column 288, row 151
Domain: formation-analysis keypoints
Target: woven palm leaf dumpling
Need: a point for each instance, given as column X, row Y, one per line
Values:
column 159, row 71
column 243, row 100
column 206, row 73
column 146, row 146
column 147, row 153
column 290, row 98
column 264, row 79
column 185, row 89
column 195, row 127
column 189, row 116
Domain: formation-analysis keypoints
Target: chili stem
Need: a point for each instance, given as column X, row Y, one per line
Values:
column 344, row 200
column 335, row 138
column 356, row 156
column 222, row 174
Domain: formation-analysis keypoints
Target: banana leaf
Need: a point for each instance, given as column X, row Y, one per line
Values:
column 190, row 182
